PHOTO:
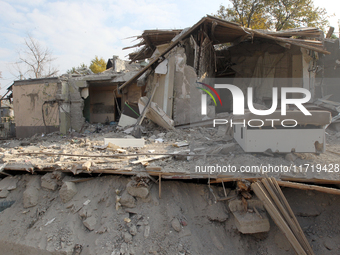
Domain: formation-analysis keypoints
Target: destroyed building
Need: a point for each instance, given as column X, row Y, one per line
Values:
column 72, row 191
column 64, row 103
column 166, row 68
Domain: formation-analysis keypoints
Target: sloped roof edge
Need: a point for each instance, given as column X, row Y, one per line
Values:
column 227, row 24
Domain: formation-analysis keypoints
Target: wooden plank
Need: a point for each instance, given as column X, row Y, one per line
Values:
column 277, row 218
column 160, row 186
column 330, row 32
column 160, row 58
column 308, row 187
column 2, row 167
column 233, row 179
column 312, row 180
column 153, row 168
column 290, row 211
column 150, row 159
column 334, row 152
column 291, row 223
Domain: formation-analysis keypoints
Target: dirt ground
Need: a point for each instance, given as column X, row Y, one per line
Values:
column 206, row 227
column 100, row 214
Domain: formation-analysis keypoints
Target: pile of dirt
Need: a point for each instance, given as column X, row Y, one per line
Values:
column 112, row 215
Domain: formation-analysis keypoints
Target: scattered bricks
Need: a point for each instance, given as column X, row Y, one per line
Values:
column 67, row 191
column 127, row 200
column 90, row 223
column 135, row 191
column 47, row 182
column 31, row 194
column 176, row 225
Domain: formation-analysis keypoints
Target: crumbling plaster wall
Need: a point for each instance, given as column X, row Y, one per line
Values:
column 176, row 91
column 32, row 112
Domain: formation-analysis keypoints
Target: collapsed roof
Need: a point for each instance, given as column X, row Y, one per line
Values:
column 221, row 31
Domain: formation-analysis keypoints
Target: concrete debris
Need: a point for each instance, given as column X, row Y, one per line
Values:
column 156, row 114
column 250, row 222
column 127, row 237
column 90, row 223
column 31, row 194
column 176, row 225
column 133, row 229
column 67, row 191
column 135, row 191
column 49, row 182
column 4, row 193
column 8, row 183
column 127, row 200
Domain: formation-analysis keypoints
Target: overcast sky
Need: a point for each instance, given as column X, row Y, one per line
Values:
column 76, row 31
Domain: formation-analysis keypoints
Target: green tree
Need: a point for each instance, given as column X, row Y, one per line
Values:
column 275, row 14
column 248, row 13
column 98, row 65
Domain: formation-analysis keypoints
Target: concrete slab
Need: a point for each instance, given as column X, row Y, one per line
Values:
column 250, row 222
column 125, row 142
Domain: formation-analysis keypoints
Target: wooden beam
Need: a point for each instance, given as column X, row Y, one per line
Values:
column 308, row 187
column 263, row 195
column 273, row 192
column 291, row 213
column 233, row 179
column 330, row 32
column 160, row 58
column 312, row 180
column 160, row 186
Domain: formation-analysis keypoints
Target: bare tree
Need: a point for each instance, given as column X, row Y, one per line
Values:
column 36, row 60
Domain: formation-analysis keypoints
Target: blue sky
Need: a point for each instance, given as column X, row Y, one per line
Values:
column 76, row 31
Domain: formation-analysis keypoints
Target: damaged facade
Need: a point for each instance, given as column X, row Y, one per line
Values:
column 65, row 103
column 176, row 60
